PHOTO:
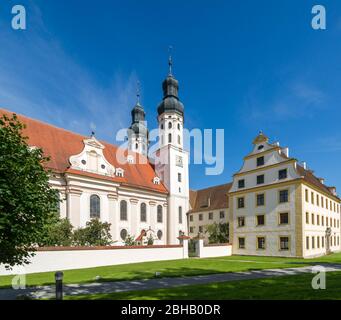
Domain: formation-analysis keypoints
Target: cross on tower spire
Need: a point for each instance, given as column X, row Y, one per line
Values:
column 170, row 60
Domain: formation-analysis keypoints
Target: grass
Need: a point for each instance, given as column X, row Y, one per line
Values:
column 280, row 288
column 172, row 268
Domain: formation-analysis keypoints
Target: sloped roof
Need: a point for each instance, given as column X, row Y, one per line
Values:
column 311, row 178
column 210, row 198
column 59, row 144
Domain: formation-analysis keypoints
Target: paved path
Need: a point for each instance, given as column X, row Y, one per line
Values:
column 121, row 286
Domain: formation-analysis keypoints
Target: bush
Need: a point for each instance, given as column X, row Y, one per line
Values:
column 59, row 234
column 96, row 233
column 129, row 241
column 218, row 233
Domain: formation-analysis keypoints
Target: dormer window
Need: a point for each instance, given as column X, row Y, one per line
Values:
column 156, row 180
column 261, row 147
column 260, row 161
column 130, row 159
column 119, row 172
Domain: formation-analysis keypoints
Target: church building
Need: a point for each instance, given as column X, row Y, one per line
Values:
column 96, row 179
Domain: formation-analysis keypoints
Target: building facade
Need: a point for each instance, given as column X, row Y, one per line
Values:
column 275, row 207
column 208, row 206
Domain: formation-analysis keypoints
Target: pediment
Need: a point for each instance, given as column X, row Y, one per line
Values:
column 92, row 159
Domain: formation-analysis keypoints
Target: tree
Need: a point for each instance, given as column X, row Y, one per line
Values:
column 27, row 202
column 218, row 233
column 58, row 233
column 96, row 233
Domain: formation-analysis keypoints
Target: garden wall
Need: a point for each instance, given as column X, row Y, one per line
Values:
column 67, row 258
column 214, row 250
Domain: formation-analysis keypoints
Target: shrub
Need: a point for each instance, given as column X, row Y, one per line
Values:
column 96, row 233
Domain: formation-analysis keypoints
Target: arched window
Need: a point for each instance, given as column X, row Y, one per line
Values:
column 169, row 138
column 169, row 125
column 136, row 146
column 179, row 140
column 180, row 214
column 123, row 210
column 159, row 234
column 161, row 126
column 159, row 214
column 95, row 207
column 123, row 234
column 143, row 213
column 179, row 127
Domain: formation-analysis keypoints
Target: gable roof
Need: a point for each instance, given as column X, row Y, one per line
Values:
column 59, row 144
column 210, row 198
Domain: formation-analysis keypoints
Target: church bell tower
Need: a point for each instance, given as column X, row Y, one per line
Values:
column 171, row 160
column 138, row 132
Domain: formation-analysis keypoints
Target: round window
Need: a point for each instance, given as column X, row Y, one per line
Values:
column 84, row 162
column 124, row 234
column 103, row 166
column 159, row 234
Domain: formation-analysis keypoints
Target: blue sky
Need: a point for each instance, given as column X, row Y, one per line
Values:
column 243, row 66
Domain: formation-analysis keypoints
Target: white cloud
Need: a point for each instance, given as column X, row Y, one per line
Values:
column 293, row 101
column 38, row 79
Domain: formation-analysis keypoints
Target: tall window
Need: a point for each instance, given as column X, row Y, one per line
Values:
column 284, row 243
column 143, row 212
column 95, row 207
column 180, row 214
column 241, row 183
column 240, row 203
column 179, row 140
column 284, row 218
column 283, row 196
column 123, row 210
column 261, row 243
column 260, row 220
column 241, row 222
column 159, row 214
column 169, row 138
column 260, row 161
column 260, row 199
column 241, row 243
column 179, row 177
column 260, row 179
column 169, row 125
column 282, row 174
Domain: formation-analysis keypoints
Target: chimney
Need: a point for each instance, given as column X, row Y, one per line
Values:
column 304, row 165
column 333, row 190
column 285, row 151
column 321, row 180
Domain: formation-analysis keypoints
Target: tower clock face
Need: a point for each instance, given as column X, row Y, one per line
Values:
column 179, row 161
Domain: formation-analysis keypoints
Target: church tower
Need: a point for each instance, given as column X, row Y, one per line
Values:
column 138, row 132
column 171, row 160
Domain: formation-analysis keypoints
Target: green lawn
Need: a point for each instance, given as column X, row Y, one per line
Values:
column 280, row 288
column 173, row 268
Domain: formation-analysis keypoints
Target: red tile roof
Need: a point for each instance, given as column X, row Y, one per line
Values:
column 210, row 199
column 59, row 144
